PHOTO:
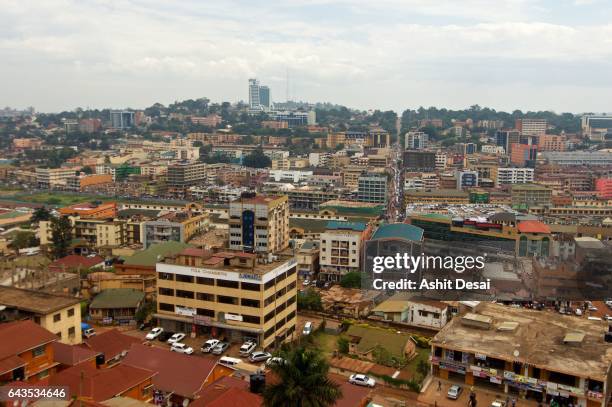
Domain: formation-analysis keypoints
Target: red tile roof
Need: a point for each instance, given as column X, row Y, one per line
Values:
column 20, row 336
column 192, row 251
column 178, row 373
column 234, row 397
column 111, row 343
column 10, row 363
column 71, row 355
column 219, row 387
column 74, row 261
column 100, row 384
column 533, row 226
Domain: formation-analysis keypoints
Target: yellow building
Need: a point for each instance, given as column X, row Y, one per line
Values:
column 59, row 314
column 231, row 295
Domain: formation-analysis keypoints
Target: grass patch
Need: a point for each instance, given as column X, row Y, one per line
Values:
column 422, row 354
column 56, row 199
column 327, row 343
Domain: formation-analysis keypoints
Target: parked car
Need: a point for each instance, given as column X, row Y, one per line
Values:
column 276, row 360
column 498, row 403
column 453, row 392
column 88, row 333
column 209, row 345
column 154, row 333
column 578, row 312
column 362, row 380
column 165, row 335
column 307, row 328
column 181, row 348
column 220, row 348
column 306, row 283
column 247, row 348
column 177, row 337
column 259, row 356
column 228, row 361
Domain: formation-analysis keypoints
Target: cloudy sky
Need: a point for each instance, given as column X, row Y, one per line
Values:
column 388, row 54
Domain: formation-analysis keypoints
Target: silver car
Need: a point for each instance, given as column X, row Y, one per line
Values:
column 220, row 348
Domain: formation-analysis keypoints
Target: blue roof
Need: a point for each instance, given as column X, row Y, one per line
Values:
column 356, row 226
column 398, row 231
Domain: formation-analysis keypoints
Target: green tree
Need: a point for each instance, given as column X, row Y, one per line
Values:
column 61, row 235
column 23, row 240
column 351, row 280
column 257, row 159
column 303, row 381
column 422, row 368
column 40, row 214
column 309, row 300
column 343, row 345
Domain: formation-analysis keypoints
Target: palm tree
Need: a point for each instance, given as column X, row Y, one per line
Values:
column 303, row 381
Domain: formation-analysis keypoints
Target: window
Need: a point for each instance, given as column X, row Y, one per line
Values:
column 71, row 332
column 206, row 312
column 166, row 307
column 205, row 297
column 269, row 333
column 227, row 283
column 205, row 281
column 251, row 319
column 70, row 312
column 269, row 316
column 184, row 279
column 269, row 284
column 250, row 286
column 269, row 300
column 40, row 351
column 165, row 276
column 57, row 317
column 249, row 303
column 166, row 291
column 184, row 294
column 224, row 299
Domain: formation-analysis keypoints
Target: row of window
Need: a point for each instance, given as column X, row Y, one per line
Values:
column 280, row 324
column 209, row 281
column 58, row 317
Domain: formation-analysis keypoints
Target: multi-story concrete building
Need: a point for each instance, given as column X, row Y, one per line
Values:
column 308, row 198
column 58, row 314
column 441, row 160
column 50, row 178
column 596, row 127
column 524, row 155
column 259, row 224
column 121, row 119
column 505, row 139
column 418, row 181
column 514, row 176
column 523, row 353
column 467, row 179
column 551, row 142
column 229, row 294
column 420, row 160
column 528, row 195
column 588, row 158
column 416, row 140
column 177, row 227
column 341, row 246
column 183, row 175
column 531, row 127
column 372, row 188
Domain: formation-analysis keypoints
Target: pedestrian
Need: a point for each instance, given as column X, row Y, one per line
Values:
column 514, row 402
column 439, row 385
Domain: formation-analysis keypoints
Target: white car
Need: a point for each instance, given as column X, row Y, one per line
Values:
column 362, row 380
column 155, row 332
column 177, row 337
column 259, row 356
column 247, row 348
column 276, row 360
column 578, row 312
column 209, row 345
column 181, row 348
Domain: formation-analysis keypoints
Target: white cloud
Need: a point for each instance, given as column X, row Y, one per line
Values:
column 152, row 49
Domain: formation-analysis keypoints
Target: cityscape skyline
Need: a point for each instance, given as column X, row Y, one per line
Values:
column 526, row 55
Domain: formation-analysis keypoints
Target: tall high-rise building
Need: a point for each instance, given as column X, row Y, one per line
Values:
column 121, row 119
column 505, row 139
column 264, row 96
column 259, row 95
column 254, row 101
column 259, row 223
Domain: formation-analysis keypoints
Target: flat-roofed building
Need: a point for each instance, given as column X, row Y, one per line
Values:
column 259, row 223
column 58, row 314
column 341, row 247
column 527, row 354
column 232, row 294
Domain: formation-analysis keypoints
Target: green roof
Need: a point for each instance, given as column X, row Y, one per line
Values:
column 356, row 226
column 372, row 337
column 309, row 225
column 149, row 256
column 118, row 298
column 399, row 231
